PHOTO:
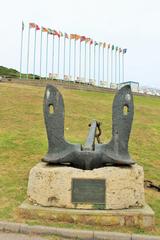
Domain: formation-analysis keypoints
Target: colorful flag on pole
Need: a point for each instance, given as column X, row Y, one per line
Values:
column 82, row 38
column 87, row 40
column 22, row 26
column 50, row 31
column 112, row 47
column 37, row 27
column 109, row 45
column 95, row 43
column 104, row 45
column 32, row 25
column 91, row 42
column 43, row 29
column 56, row 33
column 117, row 49
column 77, row 36
column 66, row 35
column 61, row 34
column 124, row 50
column 72, row 36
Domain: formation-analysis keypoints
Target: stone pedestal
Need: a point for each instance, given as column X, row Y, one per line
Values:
column 52, row 186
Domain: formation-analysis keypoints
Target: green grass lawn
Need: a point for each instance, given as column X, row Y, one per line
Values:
column 23, row 139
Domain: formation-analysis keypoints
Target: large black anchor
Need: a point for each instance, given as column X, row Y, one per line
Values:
column 89, row 155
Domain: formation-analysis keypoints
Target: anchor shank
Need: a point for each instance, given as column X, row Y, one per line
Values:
column 90, row 141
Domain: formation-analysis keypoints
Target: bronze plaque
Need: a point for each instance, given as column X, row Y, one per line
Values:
column 88, row 191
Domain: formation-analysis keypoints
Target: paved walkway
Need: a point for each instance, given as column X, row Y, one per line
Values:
column 19, row 229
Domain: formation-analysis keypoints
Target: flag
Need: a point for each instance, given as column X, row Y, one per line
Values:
column 37, row 27
column 56, row 33
column 95, row 43
column 104, row 45
column 77, row 36
column 91, row 42
column 82, row 38
column 124, row 50
column 43, row 29
column 117, row 49
column 22, row 25
column 32, row 25
column 61, row 34
column 72, row 36
column 50, row 31
column 120, row 50
column 109, row 45
column 112, row 47
column 87, row 40
column 66, row 35
column 100, row 44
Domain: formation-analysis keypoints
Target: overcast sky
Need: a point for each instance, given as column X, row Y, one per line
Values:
column 134, row 25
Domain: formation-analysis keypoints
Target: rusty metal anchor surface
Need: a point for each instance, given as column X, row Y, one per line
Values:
column 91, row 155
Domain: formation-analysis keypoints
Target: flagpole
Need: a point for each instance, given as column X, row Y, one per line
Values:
column 80, row 60
column 89, row 61
column 119, row 67
column 99, row 66
column 122, row 67
column 85, row 61
column 40, row 55
column 58, row 55
column 108, row 67
column 115, row 66
column 64, row 56
column 34, row 53
column 47, row 57
column 74, row 59
column 111, row 66
column 21, row 50
column 69, row 58
column 28, row 51
column 52, row 56
column 94, row 70
column 103, row 64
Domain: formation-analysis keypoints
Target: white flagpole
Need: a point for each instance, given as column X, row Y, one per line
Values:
column 34, row 53
column 89, row 61
column 64, row 56
column 94, row 68
column 116, row 66
column 28, row 51
column 85, row 61
column 69, row 58
column 40, row 56
column 122, row 67
column 99, row 66
column 119, row 67
column 74, row 59
column 52, row 56
column 111, row 65
column 21, row 50
column 80, row 60
column 103, row 64
column 47, row 57
column 108, row 66
column 58, row 55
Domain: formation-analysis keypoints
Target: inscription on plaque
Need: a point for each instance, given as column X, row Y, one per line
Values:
column 88, row 191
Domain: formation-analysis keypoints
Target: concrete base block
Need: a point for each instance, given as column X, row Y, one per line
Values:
column 142, row 217
column 51, row 186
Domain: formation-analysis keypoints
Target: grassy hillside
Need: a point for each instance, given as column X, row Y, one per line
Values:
column 13, row 73
column 23, row 138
